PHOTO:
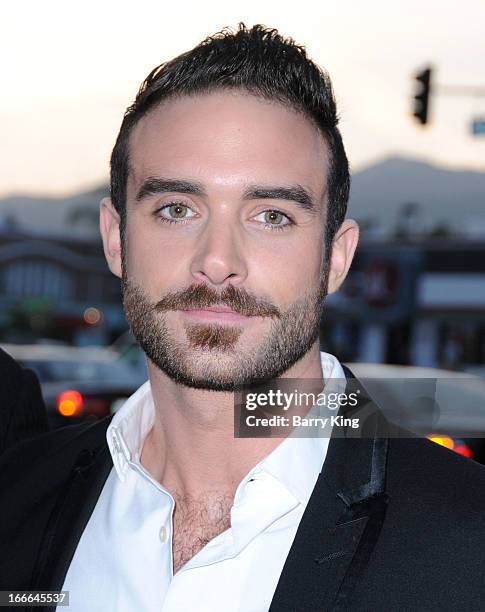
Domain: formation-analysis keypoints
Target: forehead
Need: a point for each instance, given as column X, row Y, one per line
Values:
column 228, row 139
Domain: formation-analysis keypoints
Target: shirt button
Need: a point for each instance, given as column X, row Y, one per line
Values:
column 163, row 534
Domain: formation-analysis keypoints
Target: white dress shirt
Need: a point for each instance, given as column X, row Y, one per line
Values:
column 123, row 561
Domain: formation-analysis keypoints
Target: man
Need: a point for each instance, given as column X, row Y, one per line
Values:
column 226, row 224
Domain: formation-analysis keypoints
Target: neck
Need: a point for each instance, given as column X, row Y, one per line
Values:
column 191, row 448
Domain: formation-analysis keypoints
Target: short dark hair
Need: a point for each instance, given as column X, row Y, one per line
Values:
column 261, row 62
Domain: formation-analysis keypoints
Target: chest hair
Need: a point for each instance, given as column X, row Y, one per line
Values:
column 196, row 522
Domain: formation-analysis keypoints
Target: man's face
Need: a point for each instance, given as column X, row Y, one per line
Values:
column 225, row 208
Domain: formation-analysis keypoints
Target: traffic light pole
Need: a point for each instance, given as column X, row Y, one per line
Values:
column 460, row 90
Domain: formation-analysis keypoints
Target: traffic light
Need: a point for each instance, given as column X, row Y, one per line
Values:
column 421, row 99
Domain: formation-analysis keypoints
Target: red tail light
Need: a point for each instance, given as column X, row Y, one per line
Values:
column 463, row 449
column 70, row 403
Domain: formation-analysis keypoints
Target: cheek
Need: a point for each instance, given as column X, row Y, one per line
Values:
column 290, row 269
column 153, row 262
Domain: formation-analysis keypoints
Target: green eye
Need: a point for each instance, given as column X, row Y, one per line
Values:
column 177, row 211
column 273, row 217
column 174, row 212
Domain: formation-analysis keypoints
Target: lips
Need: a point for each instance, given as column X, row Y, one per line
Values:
column 217, row 309
column 217, row 312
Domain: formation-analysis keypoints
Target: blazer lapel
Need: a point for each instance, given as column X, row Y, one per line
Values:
column 341, row 523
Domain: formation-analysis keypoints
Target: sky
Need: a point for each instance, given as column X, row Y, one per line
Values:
column 69, row 70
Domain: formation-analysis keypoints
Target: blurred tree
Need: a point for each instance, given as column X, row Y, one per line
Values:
column 442, row 230
column 407, row 225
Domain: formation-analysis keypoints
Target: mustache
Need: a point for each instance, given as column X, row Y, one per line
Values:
column 202, row 296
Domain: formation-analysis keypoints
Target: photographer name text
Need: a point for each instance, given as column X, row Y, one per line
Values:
column 299, row 421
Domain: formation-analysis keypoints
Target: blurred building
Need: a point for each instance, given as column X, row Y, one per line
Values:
column 55, row 287
column 419, row 303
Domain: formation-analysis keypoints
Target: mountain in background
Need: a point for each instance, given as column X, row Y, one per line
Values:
column 76, row 215
column 441, row 197
column 384, row 196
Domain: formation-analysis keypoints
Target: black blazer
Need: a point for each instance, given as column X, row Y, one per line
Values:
column 392, row 524
column 22, row 409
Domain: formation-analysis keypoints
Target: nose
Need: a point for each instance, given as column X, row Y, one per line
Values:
column 218, row 258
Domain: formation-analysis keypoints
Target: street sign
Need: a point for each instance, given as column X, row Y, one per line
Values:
column 478, row 126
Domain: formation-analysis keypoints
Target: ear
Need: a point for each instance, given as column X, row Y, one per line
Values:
column 109, row 225
column 343, row 249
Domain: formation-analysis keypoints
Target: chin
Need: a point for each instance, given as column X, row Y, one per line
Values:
column 210, row 370
column 213, row 370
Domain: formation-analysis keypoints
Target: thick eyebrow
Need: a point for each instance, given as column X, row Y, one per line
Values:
column 154, row 185
column 295, row 193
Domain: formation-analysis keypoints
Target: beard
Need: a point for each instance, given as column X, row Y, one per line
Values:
column 208, row 357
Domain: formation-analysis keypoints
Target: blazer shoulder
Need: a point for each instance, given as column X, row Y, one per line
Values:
column 427, row 471
column 54, row 449
column 22, row 409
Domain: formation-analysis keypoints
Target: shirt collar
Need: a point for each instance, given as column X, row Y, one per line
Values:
column 129, row 428
column 296, row 462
